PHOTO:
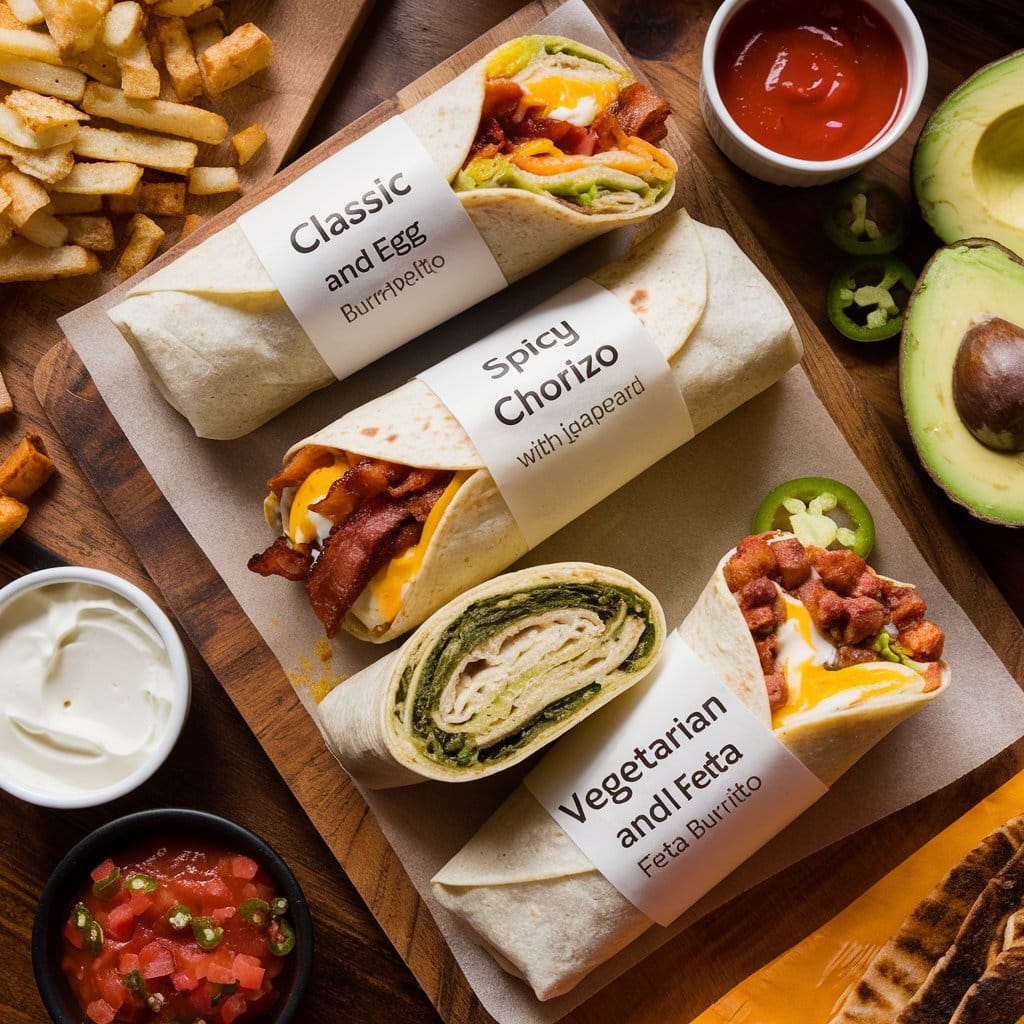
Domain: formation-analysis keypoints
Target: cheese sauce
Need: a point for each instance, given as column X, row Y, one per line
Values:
column 803, row 656
column 85, row 688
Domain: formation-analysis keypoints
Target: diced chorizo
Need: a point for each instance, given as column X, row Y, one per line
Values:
column 847, row 656
column 778, row 691
column 868, row 585
column 767, row 649
column 753, row 558
column 839, row 570
column 905, row 604
column 865, row 618
column 757, row 593
column 794, row 565
column 932, row 677
column 762, row 620
column 824, row 605
column 923, row 639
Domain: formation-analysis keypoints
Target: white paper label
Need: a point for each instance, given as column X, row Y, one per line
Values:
column 565, row 405
column 672, row 786
column 371, row 247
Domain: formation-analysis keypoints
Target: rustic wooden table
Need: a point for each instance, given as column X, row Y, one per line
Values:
column 218, row 765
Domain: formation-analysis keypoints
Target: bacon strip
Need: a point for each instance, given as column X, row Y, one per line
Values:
column 300, row 465
column 281, row 559
column 365, row 480
column 354, row 551
column 642, row 112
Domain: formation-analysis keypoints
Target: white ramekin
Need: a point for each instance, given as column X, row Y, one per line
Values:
column 181, row 682
column 764, row 163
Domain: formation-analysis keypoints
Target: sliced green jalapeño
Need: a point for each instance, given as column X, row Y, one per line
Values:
column 868, row 298
column 866, row 218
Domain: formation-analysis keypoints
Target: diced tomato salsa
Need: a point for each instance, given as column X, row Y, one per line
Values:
column 212, row 963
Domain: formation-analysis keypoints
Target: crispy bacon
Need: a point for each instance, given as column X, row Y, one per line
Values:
column 365, row 480
column 372, row 535
column 280, row 559
column 641, row 112
column 300, row 465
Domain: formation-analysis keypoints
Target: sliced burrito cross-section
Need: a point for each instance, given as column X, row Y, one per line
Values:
column 388, row 512
column 494, row 675
column 828, row 654
column 546, row 142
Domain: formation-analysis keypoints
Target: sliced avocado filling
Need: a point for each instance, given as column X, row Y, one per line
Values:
column 514, row 665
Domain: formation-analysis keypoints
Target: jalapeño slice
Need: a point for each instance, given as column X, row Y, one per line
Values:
column 866, row 218
column 868, row 298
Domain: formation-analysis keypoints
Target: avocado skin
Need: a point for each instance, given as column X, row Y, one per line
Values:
column 969, row 158
column 971, row 279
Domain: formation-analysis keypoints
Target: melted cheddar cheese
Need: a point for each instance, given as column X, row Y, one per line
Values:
column 304, row 526
column 388, row 586
column 804, row 653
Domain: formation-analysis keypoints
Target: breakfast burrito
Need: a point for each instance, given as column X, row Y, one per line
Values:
column 828, row 654
column 959, row 957
column 388, row 512
column 495, row 675
column 548, row 144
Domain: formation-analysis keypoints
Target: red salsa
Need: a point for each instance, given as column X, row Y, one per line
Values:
column 168, row 933
column 811, row 80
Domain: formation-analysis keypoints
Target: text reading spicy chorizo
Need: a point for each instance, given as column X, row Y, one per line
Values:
column 513, row 408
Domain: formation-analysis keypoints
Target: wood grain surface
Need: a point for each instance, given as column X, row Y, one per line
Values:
column 218, row 765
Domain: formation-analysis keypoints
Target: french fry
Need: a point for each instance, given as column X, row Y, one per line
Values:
column 179, row 58
column 207, row 16
column 235, row 58
column 33, row 121
column 46, row 165
column 64, row 83
column 155, row 198
column 100, row 179
column 74, row 24
column 8, row 19
column 26, row 469
column 27, row 195
column 173, row 155
column 6, row 402
column 248, row 142
column 206, row 36
column 155, row 115
column 179, row 8
column 26, row 11
column 45, row 230
column 140, row 79
column 68, row 202
column 21, row 260
column 26, row 43
column 122, row 27
column 211, row 181
column 99, row 63
column 12, row 514
column 191, row 222
column 95, row 233
column 6, row 232
column 144, row 238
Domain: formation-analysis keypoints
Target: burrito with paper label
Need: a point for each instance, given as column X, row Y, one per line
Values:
column 389, row 512
column 543, row 144
column 828, row 654
column 495, row 675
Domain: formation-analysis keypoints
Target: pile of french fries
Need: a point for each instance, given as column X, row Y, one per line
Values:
column 22, row 473
column 97, row 119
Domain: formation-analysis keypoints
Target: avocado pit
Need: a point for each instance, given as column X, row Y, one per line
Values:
column 988, row 383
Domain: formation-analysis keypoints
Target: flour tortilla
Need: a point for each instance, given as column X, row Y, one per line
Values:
column 719, row 323
column 538, row 904
column 226, row 387
column 377, row 746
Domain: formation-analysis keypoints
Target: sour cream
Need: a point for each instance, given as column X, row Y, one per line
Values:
column 88, row 694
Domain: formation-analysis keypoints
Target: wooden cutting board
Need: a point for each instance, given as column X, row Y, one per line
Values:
column 722, row 947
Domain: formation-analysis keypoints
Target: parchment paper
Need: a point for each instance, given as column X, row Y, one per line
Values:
column 668, row 527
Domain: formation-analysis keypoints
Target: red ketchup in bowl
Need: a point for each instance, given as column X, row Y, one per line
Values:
column 177, row 932
column 815, row 81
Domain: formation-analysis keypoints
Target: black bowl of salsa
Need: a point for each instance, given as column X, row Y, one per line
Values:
column 168, row 915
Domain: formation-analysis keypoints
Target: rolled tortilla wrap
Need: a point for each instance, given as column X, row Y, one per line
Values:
column 533, row 898
column 719, row 323
column 495, row 675
column 219, row 342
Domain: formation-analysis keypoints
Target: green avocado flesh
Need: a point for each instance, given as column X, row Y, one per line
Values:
column 962, row 285
column 968, row 167
column 482, row 620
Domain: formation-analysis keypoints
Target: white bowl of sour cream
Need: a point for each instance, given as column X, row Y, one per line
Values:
column 94, row 687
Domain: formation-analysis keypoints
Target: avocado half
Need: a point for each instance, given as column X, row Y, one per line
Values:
column 968, row 166
column 964, row 284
